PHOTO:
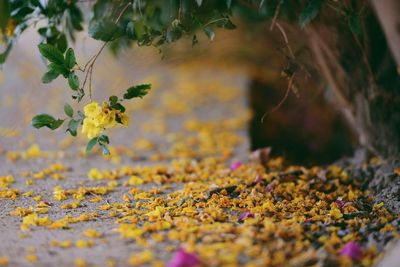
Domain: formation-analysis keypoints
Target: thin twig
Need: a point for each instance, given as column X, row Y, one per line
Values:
column 288, row 89
column 285, row 38
column 139, row 7
column 213, row 21
column 278, row 8
column 90, row 84
column 88, row 68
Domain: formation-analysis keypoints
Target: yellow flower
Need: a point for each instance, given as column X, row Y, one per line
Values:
column 9, row 30
column 33, row 219
column 4, row 260
column 134, row 180
column 32, row 258
column 130, row 231
column 11, row 193
column 92, row 233
column 90, row 129
column 95, row 174
column 84, row 243
column 79, row 262
column 100, row 118
column 21, row 212
column 124, row 119
column 140, row 258
column 106, row 119
column 33, row 152
column 92, row 110
column 335, row 213
column 6, row 180
column 59, row 194
column 61, row 244
column 111, row 263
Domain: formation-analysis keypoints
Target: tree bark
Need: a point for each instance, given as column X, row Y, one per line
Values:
column 388, row 13
column 361, row 70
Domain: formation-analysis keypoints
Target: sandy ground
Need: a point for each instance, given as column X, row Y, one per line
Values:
column 182, row 93
column 161, row 130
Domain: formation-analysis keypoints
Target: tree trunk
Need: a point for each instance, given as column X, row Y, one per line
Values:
column 362, row 72
column 388, row 12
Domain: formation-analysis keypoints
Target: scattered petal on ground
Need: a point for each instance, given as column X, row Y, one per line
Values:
column 352, row 250
column 184, row 259
column 173, row 192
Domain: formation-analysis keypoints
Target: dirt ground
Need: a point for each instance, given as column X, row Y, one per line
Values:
column 195, row 118
column 182, row 94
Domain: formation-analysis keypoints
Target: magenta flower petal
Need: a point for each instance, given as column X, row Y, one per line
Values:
column 352, row 250
column 235, row 165
column 340, row 203
column 245, row 215
column 184, row 259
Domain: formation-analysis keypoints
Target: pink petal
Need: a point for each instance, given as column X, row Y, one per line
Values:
column 340, row 203
column 245, row 215
column 235, row 165
column 184, row 259
column 258, row 179
column 352, row 250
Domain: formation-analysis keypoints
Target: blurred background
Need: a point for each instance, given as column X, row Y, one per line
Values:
column 237, row 80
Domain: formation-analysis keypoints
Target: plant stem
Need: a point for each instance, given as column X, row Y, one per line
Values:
column 88, row 68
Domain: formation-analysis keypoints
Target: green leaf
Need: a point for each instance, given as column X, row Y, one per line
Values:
column 210, row 33
column 105, row 30
column 73, row 81
column 49, row 76
column 130, row 30
column 354, row 23
column 45, row 120
column 137, row 91
column 113, row 100
column 76, row 17
column 103, row 139
column 62, row 43
column 4, row 55
column 310, row 12
column 70, row 59
column 140, row 29
column 228, row 25
column 4, row 13
column 60, row 69
column 68, row 110
column 73, row 126
column 36, row 3
column 21, row 13
column 91, row 144
column 52, row 54
column 119, row 106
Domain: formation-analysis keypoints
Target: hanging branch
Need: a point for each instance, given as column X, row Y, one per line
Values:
column 88, row 68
